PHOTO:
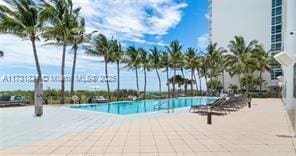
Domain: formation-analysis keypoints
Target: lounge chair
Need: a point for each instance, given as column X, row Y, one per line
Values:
column 231, row 104
column 205, row 107
column 234, row 103
column 132, row 98
column 12, row 101
column 99, row 99
column 223, row 104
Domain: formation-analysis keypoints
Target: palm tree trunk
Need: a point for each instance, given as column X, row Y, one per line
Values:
column 73, row 69
column 195, row 80
column 260, row 87
column 239, row 79
column 118, row 80
column 223, row 79
column 63, row 73
column 145, row 82
column 182, row 71
column 191, row 84
column 199, row 77
column 174, row 82
column 137, row 79
column 107, row 79
column 185, row 88
column 247, row 88
column 248, row 83
column 36, row 58
column 159, row 81
column 168, row 84
column 206, row 77
column 39, row 92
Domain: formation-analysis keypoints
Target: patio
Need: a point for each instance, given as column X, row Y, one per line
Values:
column 261, row 130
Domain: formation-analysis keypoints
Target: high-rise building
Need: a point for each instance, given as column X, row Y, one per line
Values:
column 259, row 20
column 276, row 36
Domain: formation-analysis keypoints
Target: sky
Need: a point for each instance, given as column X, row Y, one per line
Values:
column 133, row 22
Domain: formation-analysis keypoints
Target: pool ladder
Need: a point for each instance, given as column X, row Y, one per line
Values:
column 158, row 107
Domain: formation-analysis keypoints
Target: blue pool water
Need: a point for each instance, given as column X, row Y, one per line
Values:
column 135, row 107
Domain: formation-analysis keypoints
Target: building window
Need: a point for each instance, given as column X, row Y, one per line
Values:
column 276, row 3
column 276, row 20
column 294, row 89
column 276, row 46
column 276, row 38
column 275, row 73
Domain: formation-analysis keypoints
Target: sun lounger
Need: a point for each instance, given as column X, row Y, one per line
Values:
column 204, row 107
column 99, row 99
column 11, row 101
column 132, row 98
column 225, row 105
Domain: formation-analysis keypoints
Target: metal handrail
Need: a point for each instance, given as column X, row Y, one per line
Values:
column 158, row 106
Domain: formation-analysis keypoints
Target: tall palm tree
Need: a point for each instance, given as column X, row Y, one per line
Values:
column 101, row 46
column 191, row 62
column 134, row 62
column 181, row 66
column 222, row 62
column 204, row 69
column 145, row 64
column 22, row 18
column 215, row 57
column 263, row 63
column 60, row 14
column 77, row 37
column 199, row 68
column 117, row 57
column 175, row 58
column 155, row 60
column 165, row 63
column 241, row 58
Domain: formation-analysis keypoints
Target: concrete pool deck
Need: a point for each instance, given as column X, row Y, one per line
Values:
column 261, row 130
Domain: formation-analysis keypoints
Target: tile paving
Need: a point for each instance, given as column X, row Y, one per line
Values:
column 261, row 130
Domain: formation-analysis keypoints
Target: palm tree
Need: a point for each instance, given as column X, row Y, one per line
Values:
column 76, row 38
column 215, row 58
column 165, row 63
column 179, row 80
column 22, row 18
column 62, row 17
column 117, row 57
column 199, row 68
column 263, row 63
column 204, row 69
column 134, row 62
column 241, row 58
column 222, row 62
column 191, row 62
column 155, row 60
column 145, row 64
column 101, row 46
column 175, row 58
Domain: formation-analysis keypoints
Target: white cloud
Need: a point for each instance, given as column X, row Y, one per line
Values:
column 18, row 53
column 131, row 20
column 203, row 41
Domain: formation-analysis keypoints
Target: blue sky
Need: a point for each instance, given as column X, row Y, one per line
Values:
column 140, row 23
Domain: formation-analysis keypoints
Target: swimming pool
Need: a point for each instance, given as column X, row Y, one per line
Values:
column 136, row 107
